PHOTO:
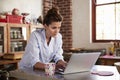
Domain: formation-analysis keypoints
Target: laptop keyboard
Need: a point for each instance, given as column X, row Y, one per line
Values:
column 59, row 71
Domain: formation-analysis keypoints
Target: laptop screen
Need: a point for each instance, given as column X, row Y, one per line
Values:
column 80, row 62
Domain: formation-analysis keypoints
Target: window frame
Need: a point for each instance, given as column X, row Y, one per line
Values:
column 94, row 23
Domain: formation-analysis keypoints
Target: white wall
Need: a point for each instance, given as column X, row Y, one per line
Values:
column 82, row 25
column 34, row 7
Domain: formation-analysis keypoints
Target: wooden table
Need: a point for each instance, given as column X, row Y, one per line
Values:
column 108, row 60
column 29, row 74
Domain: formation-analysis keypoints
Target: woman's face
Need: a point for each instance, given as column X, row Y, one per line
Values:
column 53, row 29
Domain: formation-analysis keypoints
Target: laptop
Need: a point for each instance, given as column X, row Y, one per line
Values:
column 80, row 62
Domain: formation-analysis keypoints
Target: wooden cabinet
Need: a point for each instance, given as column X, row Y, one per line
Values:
column 3, row 38
column 13, row 40
column 17, row 37
column 14, row 37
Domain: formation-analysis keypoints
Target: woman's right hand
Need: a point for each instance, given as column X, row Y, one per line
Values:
column 61, row 65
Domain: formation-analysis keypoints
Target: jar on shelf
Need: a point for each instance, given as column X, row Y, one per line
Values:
column 14, row 46
column 20, row 46
column 19, row 34
column 11, row 34
column 15, row 34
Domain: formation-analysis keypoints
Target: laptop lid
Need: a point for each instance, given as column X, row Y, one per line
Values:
column 80, row 62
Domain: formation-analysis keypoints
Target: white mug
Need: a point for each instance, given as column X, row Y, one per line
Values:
column 50, row 69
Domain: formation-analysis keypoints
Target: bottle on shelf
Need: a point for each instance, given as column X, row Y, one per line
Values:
column 20, row 46
column 14, row 46
column 111, row 48
column 19, row 35
column 0, row 36
column 1, row 48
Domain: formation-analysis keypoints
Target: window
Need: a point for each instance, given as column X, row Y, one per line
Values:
column 105, row 20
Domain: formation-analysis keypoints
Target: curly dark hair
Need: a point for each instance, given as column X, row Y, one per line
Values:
column 52, row 15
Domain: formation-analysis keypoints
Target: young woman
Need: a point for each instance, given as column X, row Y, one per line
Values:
column 45, row 45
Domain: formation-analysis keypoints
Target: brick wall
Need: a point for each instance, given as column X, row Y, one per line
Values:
column 47, row 4
column 65, row 7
